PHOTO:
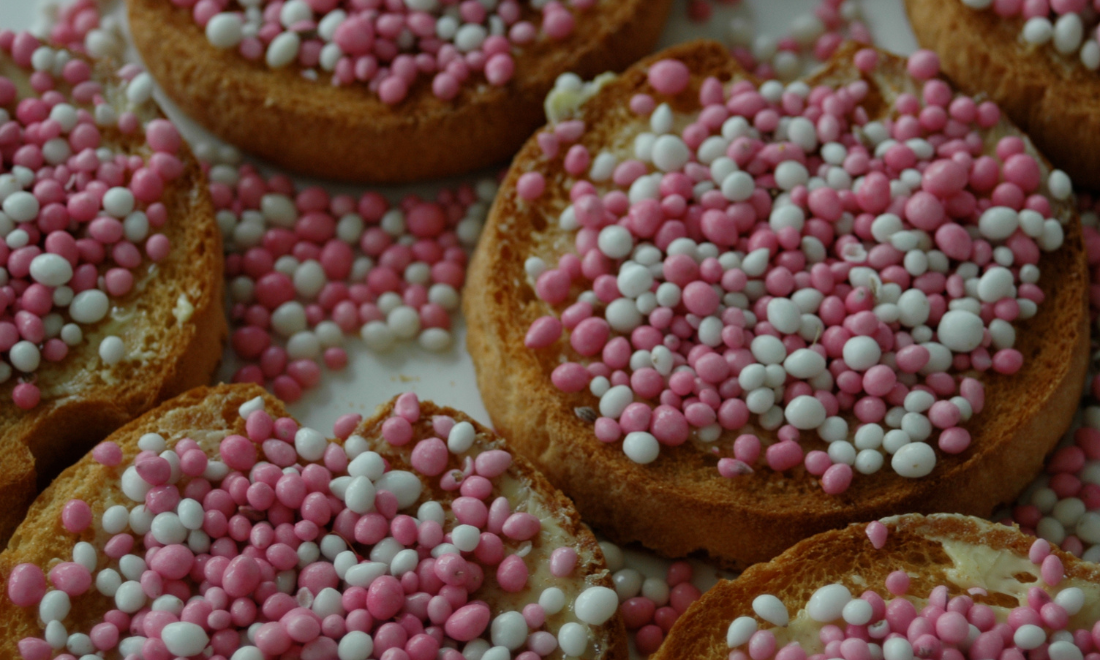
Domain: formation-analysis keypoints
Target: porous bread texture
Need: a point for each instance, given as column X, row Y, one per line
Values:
column 207, row 415
column 347, row 132
column 679, row 504
column 1050, row 96
column 915, row 544
column 170, row 347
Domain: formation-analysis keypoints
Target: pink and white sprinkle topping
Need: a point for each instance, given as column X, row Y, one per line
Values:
column 785, row 262
column 389, row 45
column 1069, row 27
column 78, row 218
column 281, row 542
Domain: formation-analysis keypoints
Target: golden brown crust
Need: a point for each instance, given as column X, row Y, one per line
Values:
column 914, row 545
column 83, row 400
column 679, row 504
column 1051, row 97
column 41, row 539
column 347, row 133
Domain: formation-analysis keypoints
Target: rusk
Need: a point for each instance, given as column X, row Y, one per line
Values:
column 959, row 552
column 172, row 324
column 347, row 132
column 679, row 504
column 209, row 414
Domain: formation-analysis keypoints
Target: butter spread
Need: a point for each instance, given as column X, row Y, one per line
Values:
column 994, row 570
column 569, row 94
column 184, row 309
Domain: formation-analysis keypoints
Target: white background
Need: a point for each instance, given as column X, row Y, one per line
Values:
column 448, row 378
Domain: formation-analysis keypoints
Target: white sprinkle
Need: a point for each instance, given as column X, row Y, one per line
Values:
column 573, row 638
column 771, row 609
column 740, row 630
column 960, row 331
column 112, row 350
column 596, row 605
column 224, row 30
column 283, row 50
column 641, row 447
column 184, row 639
column 827, row 603
column 914, row 460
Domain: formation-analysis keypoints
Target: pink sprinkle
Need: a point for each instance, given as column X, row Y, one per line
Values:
column 954, row 440
column 76, row 515
column 952, row 627
column 535, row 616
column 544, row 332
column 637, row 612
column 531, row 185
column 669, row 76
column 649, row 639
column 642, row 104
column 512, row 574
column 173, row 562
column 157, row 247
column 836, row 479
column 499, row 69
column 163, row 136
column 469, row 621
column 1039, row 551
column 877, row 533
column 26, row 585
column 732, row 467
column 590, row 335
column 570, row 377
column 107, row 453
column 72, row 578
column 924, row 64
column 238, row 452
column 562, row 561
column 1052, row 570
column 866, row 60
column 493, row 463
column 397, row 431
column 408, row 407
column 154, row 469
column 430, row 456
column 345, row 425
column 897, row 583
column 558, row 24
column 521, row 526
column 26, row 395
column 783, row 455
column 762, row 645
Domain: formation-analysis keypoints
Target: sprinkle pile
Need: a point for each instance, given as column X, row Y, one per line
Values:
column 1067, row 26
column 813, row 38
column 784, row 256
column 1062, row 506
column 281, row 542
column 305, row 267
column 956, row 627
column 650, row 605
column 389, row 45
column 79, row 217
column 81, row 27
column 817, row 34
